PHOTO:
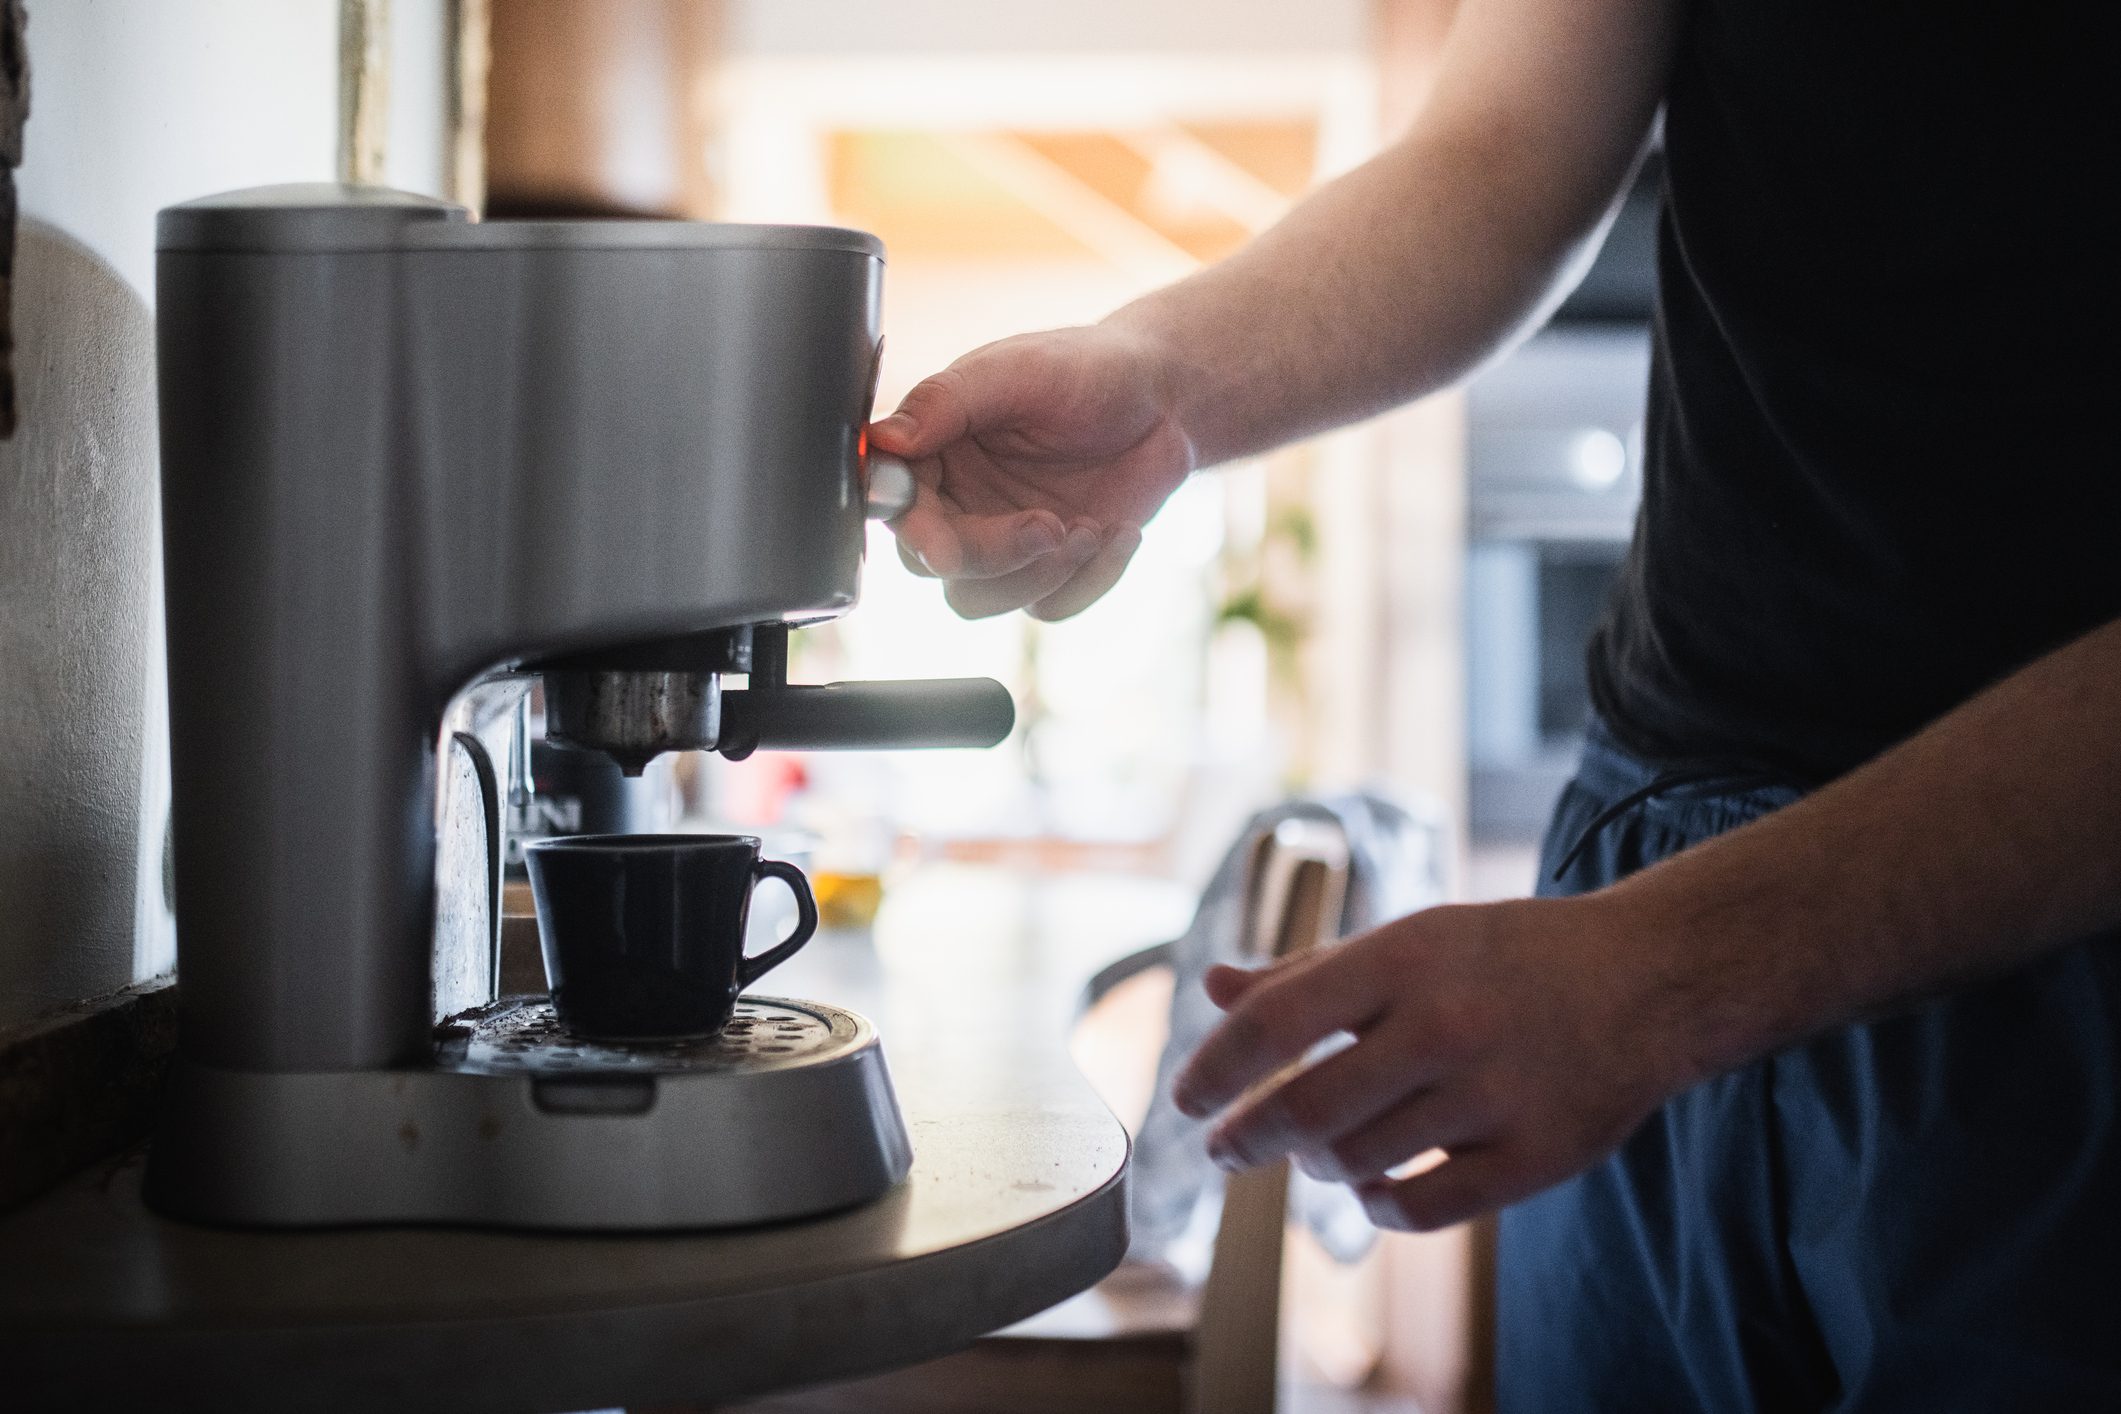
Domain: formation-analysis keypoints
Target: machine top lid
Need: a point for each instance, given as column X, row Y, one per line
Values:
column 337, row 216
column 299, row 216
column 631, row 233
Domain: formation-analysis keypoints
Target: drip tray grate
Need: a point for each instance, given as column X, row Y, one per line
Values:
column 524, row 1036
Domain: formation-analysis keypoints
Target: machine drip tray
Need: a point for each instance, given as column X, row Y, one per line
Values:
column 525, row 1036
column 788, row 1113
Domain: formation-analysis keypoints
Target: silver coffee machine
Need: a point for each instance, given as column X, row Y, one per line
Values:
column 413, row 464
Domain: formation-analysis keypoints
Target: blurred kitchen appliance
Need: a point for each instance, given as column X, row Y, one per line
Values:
column 409, row 463
column 1554, row 474
column 574, row 792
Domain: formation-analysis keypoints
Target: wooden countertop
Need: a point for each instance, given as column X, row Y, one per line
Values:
column 1016, row 1201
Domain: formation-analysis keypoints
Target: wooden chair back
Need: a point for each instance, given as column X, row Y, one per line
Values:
column 1298, row 883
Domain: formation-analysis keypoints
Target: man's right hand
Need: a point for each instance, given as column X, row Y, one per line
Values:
column 1038, row 460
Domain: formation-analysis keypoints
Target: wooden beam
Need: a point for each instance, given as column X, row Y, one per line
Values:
column 1106, row 227
column 364, row 89
column 1224, row 185
column 470, row 57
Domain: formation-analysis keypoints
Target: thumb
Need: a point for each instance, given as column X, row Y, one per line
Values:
column 931, row 416
column 985, row 388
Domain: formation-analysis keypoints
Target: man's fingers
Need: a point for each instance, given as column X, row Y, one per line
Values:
column 1001, row 562
column 1436, row 1117
column 982, row 598
column 1349, row 1092
column 1276, row 1022
column 910, row 560
column 955, row 545
column 1225, row 985
column 1090, row 582
column 1469, row 1182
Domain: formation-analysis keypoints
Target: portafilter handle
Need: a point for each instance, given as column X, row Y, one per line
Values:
column 669, row 697
column 771, row 712
column 866, row 716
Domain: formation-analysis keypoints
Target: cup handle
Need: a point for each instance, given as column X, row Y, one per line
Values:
column 752, row 968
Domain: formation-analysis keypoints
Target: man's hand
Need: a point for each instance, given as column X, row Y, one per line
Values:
column 1524, row 1039
column 1527, row 1039
column 1038, row 460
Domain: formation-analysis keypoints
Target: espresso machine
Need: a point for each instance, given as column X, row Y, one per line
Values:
column 413, row 464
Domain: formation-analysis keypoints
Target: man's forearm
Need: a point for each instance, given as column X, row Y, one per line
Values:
column 1402, row 275
column 1391, row 283
column 1973, row 847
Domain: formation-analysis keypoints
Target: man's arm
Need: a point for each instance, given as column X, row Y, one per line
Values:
column 1973, row 847
column 1040, row 457
column 1526, row 1039
column 1400, row 277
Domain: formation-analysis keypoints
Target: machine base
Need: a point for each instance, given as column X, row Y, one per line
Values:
column 788, row 1113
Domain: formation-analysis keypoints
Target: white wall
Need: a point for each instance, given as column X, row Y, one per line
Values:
column 77, row 770
column 420, row 62
column 135, row 104
column 140, row 103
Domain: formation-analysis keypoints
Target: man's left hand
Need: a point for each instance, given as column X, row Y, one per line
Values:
column 1524, row 1040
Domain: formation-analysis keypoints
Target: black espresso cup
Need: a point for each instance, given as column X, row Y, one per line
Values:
column 644, row 934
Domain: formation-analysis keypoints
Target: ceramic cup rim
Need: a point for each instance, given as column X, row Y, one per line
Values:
column 641, row 844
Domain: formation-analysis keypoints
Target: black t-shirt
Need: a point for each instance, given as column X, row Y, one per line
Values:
column 1881, row 462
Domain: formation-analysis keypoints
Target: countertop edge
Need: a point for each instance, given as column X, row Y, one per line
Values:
column 867, row 1321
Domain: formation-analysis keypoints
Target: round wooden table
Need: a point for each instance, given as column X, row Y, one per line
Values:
column 1016, row 1201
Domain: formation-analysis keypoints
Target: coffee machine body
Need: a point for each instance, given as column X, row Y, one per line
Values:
column 405, row 455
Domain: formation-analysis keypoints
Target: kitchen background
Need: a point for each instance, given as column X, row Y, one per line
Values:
column 1401, row 606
